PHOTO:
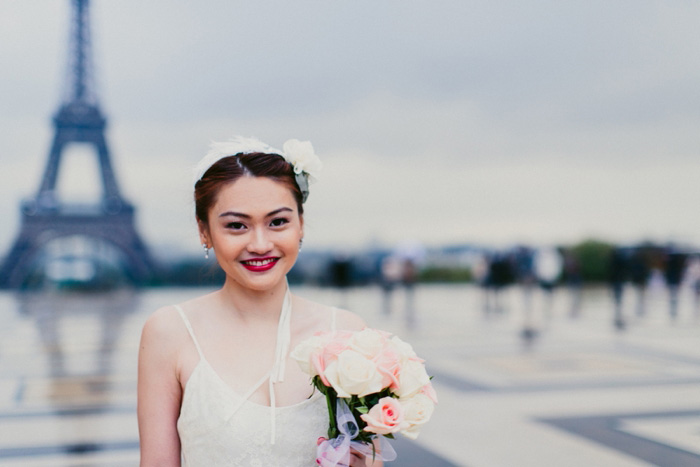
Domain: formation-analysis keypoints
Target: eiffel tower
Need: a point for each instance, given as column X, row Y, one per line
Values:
column 45, row 217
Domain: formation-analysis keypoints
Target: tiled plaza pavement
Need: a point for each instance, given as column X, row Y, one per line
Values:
column 579, row 394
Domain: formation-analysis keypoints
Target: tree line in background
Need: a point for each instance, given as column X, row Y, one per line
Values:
column 591, row 261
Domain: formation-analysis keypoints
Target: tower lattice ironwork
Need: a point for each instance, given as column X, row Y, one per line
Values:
column 45, row 216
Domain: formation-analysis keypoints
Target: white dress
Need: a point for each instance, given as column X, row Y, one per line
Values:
column 219, row 427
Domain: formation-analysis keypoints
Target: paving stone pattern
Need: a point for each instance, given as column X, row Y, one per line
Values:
column 579, row 392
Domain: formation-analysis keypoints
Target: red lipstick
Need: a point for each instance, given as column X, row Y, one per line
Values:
column 260, row 264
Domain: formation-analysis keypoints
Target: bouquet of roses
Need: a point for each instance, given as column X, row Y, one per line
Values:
column 374, row 384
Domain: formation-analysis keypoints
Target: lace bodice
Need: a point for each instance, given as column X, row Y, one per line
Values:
column 219, row 427
column 215, row 432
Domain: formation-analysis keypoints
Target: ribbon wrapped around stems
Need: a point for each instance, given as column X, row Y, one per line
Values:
column 335, row 452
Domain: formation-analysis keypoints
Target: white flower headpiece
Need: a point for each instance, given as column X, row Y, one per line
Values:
column 300, row 154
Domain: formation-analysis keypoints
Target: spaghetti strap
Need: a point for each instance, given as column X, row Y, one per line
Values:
column 189, row 330
column 334, row 312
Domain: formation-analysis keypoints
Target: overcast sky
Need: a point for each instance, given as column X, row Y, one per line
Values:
column 437, row 121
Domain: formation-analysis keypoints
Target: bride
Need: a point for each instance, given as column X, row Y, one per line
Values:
column 216, row 386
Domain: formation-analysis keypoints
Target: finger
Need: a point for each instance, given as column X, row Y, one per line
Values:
column 357, row 460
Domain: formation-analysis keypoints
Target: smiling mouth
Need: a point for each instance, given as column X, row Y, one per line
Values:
column 261, row 264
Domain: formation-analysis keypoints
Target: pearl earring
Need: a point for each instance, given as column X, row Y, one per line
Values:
column 206, row 251
column 301, row 241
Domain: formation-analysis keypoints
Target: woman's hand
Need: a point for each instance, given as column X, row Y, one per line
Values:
column 359, row 460
column 356, row 459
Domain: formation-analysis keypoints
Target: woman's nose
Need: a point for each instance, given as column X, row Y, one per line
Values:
column 259, row 242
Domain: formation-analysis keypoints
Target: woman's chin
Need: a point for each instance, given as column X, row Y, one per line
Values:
column 259, row 281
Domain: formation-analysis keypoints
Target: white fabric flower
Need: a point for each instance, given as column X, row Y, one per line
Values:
column 302, row 157
column 236, row 145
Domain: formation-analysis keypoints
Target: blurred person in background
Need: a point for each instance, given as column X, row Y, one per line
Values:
column 574, row 281
column 673, row 273
column 523, row 259
column 617, row 276
column 692, row 276
column 639, row 273
column 480, row 273
column 390, row 276
column 548, row 267
column 341, row 276
column 501, row 273
column 409, row 276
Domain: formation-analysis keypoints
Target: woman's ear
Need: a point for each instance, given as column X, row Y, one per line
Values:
column 203, row 233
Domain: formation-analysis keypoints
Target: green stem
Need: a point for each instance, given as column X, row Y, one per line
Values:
column 331, row 398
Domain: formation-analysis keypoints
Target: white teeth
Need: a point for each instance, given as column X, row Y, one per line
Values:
column 261, row 262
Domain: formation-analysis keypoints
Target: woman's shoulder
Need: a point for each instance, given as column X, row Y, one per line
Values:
column 164, row 327
column 172, row 320
column 347, row 320
column 329, row 316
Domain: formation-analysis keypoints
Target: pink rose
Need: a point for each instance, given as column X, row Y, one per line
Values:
column 319, row 366
column 384, row 418
column 336, row 346
column 389, row 365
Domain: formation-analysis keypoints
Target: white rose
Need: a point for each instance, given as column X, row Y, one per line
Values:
column 353, row 374
column 412, row 379
column 403, row 348
column 302, row 157
column 302, row 353
column 368, row 342
column 416, row 411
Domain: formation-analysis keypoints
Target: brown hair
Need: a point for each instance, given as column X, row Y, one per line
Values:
column 229, row 169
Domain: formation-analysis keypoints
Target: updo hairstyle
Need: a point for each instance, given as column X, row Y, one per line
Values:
column 229, row 169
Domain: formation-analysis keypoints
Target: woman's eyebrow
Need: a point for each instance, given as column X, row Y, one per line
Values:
column 246, row 216
column 277, row 211
column 235, row 214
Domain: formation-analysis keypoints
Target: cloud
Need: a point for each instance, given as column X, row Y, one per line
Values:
column 448, row 121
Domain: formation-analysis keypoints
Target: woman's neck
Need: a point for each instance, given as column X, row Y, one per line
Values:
column 250, row 304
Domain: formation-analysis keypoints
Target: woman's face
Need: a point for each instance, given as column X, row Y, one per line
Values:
column 255, row 229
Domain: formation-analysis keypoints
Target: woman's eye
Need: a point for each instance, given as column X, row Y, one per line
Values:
column 235, row 225
column 279, row 222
